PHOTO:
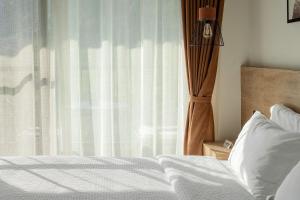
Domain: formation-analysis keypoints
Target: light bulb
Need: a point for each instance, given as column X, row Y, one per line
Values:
column 207, row 31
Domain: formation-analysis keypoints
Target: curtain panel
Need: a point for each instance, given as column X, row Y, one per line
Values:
column 92, row 77
column 201, row 67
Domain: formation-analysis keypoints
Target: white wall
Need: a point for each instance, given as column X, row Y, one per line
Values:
column 227, row 102
column 273, row 42
column 255, row 33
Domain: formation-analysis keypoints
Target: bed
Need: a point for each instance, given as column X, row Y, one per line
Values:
column 94, row 178
column 160, row 178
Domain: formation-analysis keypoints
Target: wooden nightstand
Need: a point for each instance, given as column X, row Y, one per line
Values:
column 216, row 149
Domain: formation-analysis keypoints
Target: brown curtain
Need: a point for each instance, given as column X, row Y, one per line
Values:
column 201, row 65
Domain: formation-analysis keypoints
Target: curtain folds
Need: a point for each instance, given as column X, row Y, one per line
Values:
column 92, row 77
column 201, row 67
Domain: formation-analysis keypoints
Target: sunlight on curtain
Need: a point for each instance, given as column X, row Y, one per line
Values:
column 17, row 134
column 107, row 78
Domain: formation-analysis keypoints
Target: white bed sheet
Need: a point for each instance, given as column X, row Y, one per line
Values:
column 83, row 178
column 94, row 178
column 203, row 178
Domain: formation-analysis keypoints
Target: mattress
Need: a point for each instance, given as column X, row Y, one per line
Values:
column 95, row 178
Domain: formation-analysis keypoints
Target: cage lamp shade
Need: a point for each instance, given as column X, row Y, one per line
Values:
column 207, row 14
column 206, row 31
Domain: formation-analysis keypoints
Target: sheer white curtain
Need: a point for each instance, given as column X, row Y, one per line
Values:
column 107, row 78
column 17, row 90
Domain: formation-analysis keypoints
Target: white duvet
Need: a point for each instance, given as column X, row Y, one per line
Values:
column 94, row 178
column 203, row 178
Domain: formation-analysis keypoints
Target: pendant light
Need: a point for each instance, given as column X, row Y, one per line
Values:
column 206, row 31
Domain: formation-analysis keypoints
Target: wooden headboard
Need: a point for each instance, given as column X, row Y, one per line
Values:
column 263, row 87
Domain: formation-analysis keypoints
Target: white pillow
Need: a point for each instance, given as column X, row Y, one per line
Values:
column 264, row 154
column 290, row 187
column 285, row 117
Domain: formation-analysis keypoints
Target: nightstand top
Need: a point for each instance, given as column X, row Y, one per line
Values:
column 217, row 146
column 216, row 149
